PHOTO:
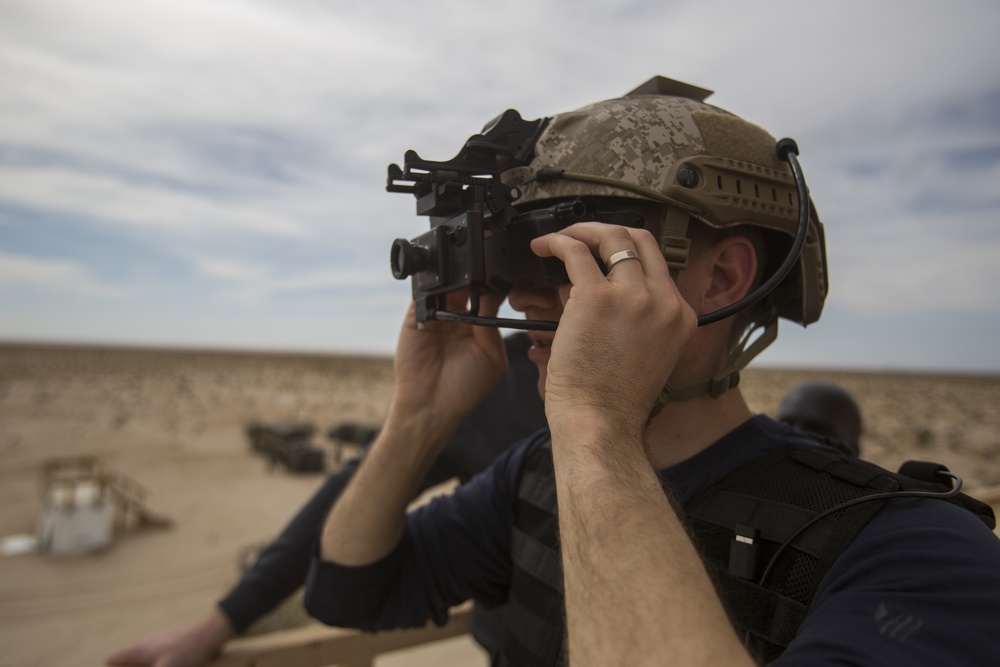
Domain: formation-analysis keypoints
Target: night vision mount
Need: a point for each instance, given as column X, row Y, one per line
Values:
column 480, row 242
column 477, row 240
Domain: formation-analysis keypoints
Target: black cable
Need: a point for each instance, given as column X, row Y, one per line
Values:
column 954, row 491
column 787, row 150
column 888, row 495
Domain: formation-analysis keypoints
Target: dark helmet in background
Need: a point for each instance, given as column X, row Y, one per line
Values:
column 824, row 409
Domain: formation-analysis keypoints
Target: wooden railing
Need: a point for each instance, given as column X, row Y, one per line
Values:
column 321, row 646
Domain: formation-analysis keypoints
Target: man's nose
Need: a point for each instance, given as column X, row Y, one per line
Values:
column 522, row 299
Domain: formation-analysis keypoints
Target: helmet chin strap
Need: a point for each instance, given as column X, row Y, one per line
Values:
column 728, row 377
column 675, row 246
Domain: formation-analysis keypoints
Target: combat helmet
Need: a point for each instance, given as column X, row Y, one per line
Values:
column 826, row 410
column 662, row 143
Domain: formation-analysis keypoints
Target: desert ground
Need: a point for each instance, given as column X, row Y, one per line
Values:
column 174, row 421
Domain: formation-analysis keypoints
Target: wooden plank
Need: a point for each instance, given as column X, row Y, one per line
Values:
column 321, row 646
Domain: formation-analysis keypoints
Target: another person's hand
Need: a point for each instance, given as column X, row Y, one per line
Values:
column 191, row 645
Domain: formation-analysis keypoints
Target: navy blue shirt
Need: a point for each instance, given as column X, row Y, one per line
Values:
column 920, row 584
column 511, row 411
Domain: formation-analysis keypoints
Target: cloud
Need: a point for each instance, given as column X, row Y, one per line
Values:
column 921, row 274
column 910, row 205
column 56, row 275
column 112, row 200
column 238, row 148
column 257, row 282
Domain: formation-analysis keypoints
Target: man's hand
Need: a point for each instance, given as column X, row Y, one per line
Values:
column 444, row 369
column 635, row 589
column 620, row 334
column 184, row 646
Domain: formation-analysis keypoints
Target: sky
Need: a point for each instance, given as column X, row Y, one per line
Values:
column 211, row 174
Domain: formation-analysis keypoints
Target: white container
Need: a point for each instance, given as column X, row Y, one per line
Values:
column 76, row 518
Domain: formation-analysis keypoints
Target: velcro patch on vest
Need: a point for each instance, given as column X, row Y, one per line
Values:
column 538, row 560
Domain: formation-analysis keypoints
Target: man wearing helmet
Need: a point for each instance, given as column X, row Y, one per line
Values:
column 825, row 410
column 669, row 519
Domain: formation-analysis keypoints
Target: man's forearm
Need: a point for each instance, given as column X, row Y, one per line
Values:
column 367, row 521
column 636, row 590
column 442, row 371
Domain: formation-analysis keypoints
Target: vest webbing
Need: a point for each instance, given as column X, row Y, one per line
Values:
column 775, row 495
column 535, row 616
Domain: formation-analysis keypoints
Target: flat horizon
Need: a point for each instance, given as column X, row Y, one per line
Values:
column 194, row 348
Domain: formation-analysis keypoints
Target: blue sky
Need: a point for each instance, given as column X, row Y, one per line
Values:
column 211, row 174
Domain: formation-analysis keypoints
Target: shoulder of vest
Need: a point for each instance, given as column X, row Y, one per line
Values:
column 789, row 475
column 760, row 508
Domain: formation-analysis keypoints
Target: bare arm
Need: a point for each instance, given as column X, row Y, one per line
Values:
column 636, row 590
column 190, row 645
column 442, row 372
column 635, row 587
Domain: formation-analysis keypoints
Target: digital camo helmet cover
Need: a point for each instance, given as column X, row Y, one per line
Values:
column 662, row 143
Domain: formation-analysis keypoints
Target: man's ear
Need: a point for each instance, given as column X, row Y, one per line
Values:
column 734, row 270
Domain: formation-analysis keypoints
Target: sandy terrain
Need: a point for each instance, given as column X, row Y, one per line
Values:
column 174, row 421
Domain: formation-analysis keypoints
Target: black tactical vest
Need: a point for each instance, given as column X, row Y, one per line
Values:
column 737, row 525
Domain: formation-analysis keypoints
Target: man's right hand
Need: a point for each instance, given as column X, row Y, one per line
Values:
column 191, row 645
column 444, row 369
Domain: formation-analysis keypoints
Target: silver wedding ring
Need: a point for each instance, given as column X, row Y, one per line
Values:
column 620, row 256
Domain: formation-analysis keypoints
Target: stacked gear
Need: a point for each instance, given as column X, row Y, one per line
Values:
column 662, row 143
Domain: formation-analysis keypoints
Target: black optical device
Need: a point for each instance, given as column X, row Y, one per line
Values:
column 478, row 240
